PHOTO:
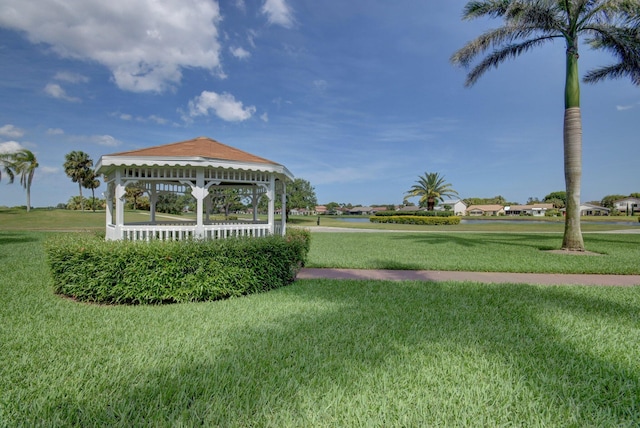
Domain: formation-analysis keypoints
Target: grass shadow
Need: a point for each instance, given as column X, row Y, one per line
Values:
column 366, row 351
column 7, row 238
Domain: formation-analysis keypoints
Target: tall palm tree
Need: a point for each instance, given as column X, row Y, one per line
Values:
column 24, row 164
column 610, row 25
column 431, row 188
column 78, row 166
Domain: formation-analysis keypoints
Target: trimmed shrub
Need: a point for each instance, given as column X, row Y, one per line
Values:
column 415, row 213
column 124, row 272
column 421, row 220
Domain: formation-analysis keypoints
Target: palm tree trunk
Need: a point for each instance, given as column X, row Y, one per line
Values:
column 81, row 201
column 572, row 176
column 572, row 137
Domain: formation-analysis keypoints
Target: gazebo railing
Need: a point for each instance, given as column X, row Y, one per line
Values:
column 176, row 231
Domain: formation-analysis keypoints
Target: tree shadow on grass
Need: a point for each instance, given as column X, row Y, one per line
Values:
column 537, row 241
column 380, row 352
column 15, row 238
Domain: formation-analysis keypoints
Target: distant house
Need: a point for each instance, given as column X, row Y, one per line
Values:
column 360, row 210
column 457, row 206
column 321, row 209
column 627, row 205
column 536, row 210
column 300, row 211
column 409, row 209
column 590, row 209
column 378, row 209
column 485, row 210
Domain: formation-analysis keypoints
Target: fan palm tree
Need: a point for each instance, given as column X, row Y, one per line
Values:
column 78, row 166
column 24, row 163
column 431, row 188
column 609, row 25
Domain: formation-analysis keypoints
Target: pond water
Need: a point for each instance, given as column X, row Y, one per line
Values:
column 354, row 220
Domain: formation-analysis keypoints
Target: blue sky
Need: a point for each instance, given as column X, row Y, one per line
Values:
column 358, row 97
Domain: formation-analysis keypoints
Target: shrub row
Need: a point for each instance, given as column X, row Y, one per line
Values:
column 422, row 220
column 416, row 213
column 124, row 272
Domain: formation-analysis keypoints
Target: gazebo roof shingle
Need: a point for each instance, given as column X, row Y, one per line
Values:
column 197, row 147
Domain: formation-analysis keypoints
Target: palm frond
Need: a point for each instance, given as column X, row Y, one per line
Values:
column 498, row 57
column 489, row 8
column 623, row 43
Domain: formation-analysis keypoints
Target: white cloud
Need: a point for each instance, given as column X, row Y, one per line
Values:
column 125, row 116
column 11, row 131
column 622, row 108
column 55, row 131
column 144, row 43
column 56, row 91
column 158, row 120
column 278, row 13
column 320, row 85
column 69, row 77
column 10, row 147
column 105, row 140
column 224, row 105
column 49, row 170
column 264, row 117
column 240, row 5
column 240, row 53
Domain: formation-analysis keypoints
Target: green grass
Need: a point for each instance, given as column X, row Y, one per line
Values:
column 51, row 219
column 483, row 252
column 55, row 219
column 318, row 353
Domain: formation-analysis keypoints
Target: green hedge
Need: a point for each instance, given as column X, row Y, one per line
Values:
column 90, row 269
column 415, row 213
column 422, row 220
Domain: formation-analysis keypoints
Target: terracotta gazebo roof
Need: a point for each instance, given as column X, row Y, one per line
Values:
column 197, row 151
column 197, row 147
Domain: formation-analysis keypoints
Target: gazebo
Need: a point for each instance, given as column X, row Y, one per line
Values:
column 204, row 167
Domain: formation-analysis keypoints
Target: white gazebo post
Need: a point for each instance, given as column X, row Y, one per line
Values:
column 271, row 194
column 284, row 208
column 254, row 202
column 120, row 193
column 108, row 196
column 153, row 200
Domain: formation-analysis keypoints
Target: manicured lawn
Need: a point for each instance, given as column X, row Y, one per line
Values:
column 319, row 353
column 483, row 252
column 51, row 219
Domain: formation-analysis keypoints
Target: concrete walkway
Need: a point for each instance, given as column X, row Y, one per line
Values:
column 484, row 277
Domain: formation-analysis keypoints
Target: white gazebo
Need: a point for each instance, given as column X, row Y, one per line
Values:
column 206, row 168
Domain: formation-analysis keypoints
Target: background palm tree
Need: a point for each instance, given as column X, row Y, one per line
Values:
column 78, row 166
column 431, row 188
column 24, row 164
column 5, row 166
column 91, row 182
column 610, row 25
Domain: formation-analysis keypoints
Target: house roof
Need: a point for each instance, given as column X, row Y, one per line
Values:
column 529, row 207
column 628, row 199
column 197, row 151
column 485, row 207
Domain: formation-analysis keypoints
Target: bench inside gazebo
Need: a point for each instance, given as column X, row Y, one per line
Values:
column 204, row 167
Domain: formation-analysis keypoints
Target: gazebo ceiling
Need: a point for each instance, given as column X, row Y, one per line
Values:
column 200, row 151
